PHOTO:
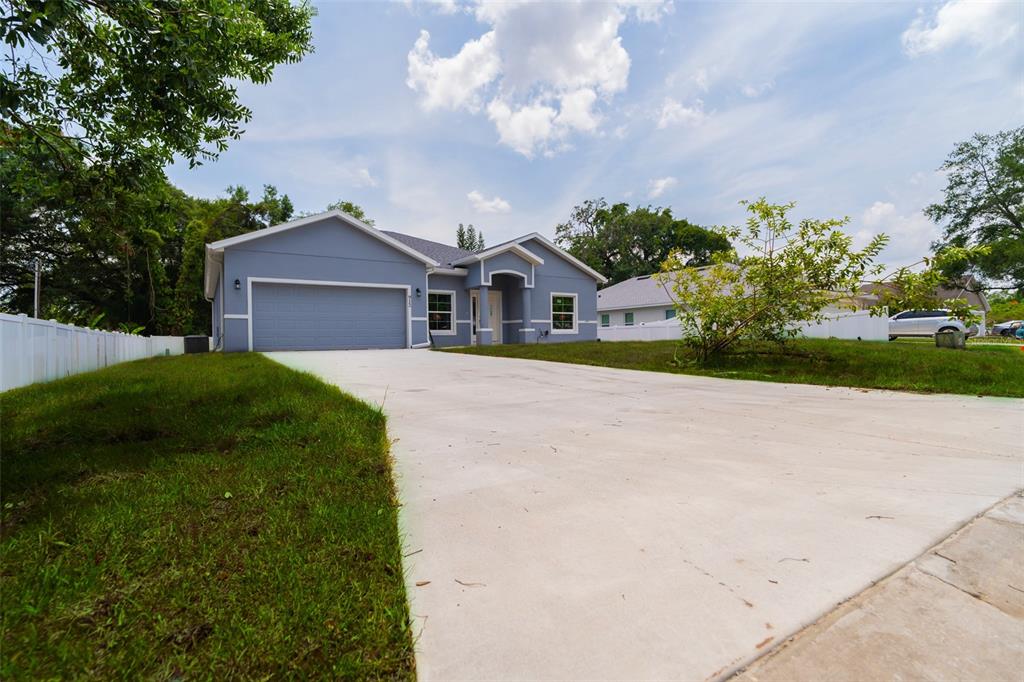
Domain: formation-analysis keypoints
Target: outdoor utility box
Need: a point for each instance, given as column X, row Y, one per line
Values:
column 951, row 339
column 197, row 344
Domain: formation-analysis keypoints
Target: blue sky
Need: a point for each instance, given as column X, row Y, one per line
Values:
column 507, row 115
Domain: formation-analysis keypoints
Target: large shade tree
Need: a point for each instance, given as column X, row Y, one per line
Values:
column 984, row 206
column 125, row 85
column 622, row 242
column 96, row 97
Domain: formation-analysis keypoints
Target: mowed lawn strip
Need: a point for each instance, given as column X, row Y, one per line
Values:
column 979, row 370
column 201, row 516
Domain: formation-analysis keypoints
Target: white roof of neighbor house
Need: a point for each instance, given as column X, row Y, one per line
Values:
column 638, row 292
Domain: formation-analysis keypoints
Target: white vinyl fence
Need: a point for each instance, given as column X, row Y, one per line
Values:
column 661, row 330
column 860, row 324
column 34, row 350
column 846, row 325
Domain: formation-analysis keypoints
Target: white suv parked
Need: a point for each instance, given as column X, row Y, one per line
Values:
column 926, row 323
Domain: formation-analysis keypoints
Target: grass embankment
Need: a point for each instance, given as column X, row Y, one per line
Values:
column 202, row 516
column 972, row 341
column 979, row 370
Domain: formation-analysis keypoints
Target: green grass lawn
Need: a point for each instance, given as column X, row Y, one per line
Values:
column 202, row 516
column 979, row 370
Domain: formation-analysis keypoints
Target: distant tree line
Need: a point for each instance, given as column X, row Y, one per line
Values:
column 622, row 242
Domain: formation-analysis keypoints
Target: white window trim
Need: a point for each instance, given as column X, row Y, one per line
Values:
column 603, row 323
column 442, row 332
column 249, row 281
column 575, row 312
column 628, row 324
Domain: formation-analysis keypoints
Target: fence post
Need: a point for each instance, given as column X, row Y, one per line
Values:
column 51, row 350
column 24, row 354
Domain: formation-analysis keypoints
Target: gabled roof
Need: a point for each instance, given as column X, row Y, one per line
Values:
column 214, row 251
column 444, row 254
column 638, row 292
column 561, row 252
column 871, row 293
column 512, row 246
column 309, row 220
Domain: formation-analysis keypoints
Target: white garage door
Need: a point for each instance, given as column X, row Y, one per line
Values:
column 308, row 317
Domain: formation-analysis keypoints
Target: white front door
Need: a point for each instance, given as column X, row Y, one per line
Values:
column 494, row 299
column 493, row 312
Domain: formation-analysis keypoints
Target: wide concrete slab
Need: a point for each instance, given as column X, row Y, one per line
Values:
column 589, row 523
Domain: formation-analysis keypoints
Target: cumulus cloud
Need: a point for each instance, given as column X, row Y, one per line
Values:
column 910, row 232
column 541, row 71
column 878, row 212
column 482, row 204
column 981, row 24
column 657, row 187
column 439, row 6
column 674, row 113
column 452, row 82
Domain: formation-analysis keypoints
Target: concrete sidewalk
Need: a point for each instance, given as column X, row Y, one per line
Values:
column 956, row 613
column 570, row 522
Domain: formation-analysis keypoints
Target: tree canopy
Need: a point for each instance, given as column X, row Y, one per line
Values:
column 622, row 242
column 125, row 85
column 96, row 97
column 984, row 206
column 354, row 210
column 791, row 273
column 469, row 239
column 125, row 257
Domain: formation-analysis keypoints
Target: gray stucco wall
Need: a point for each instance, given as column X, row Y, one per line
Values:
column 508, row 261
column 462, row 309
column 559, row 275
column 329, row 250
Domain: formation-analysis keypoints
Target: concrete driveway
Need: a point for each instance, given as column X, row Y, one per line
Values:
column 588, row 523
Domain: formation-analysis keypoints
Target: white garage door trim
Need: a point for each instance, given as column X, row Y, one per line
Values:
column 327, row 283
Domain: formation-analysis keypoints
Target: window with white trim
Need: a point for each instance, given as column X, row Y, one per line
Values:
column 670, row 313
column 563, row 313
column 441, row 312
column 606, row 320
column 629, row 319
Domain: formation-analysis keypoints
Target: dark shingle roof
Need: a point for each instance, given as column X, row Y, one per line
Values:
column 442, row 253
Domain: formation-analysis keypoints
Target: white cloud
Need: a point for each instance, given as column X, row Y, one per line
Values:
column 650, row 10
column 657, row 187
column 674, row 113
column 482, row 204
column 439, row 6
column 576, row 111
column 910, row 233
column 542, row 68
column 878, row 212
column 452, row 82
column 982, row 24
column 523, row 129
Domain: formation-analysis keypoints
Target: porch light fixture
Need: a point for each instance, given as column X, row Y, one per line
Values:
column 238, row 285
column 418, row 292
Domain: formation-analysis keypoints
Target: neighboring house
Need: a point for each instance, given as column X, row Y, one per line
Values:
column 868, row 295
column 330, row 281
column 636, row 301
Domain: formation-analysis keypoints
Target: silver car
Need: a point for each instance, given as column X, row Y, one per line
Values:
column 1007, row 328
column 926, row 323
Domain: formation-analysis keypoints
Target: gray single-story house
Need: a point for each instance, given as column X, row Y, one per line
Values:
column 330, row 281
column 635, row 301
